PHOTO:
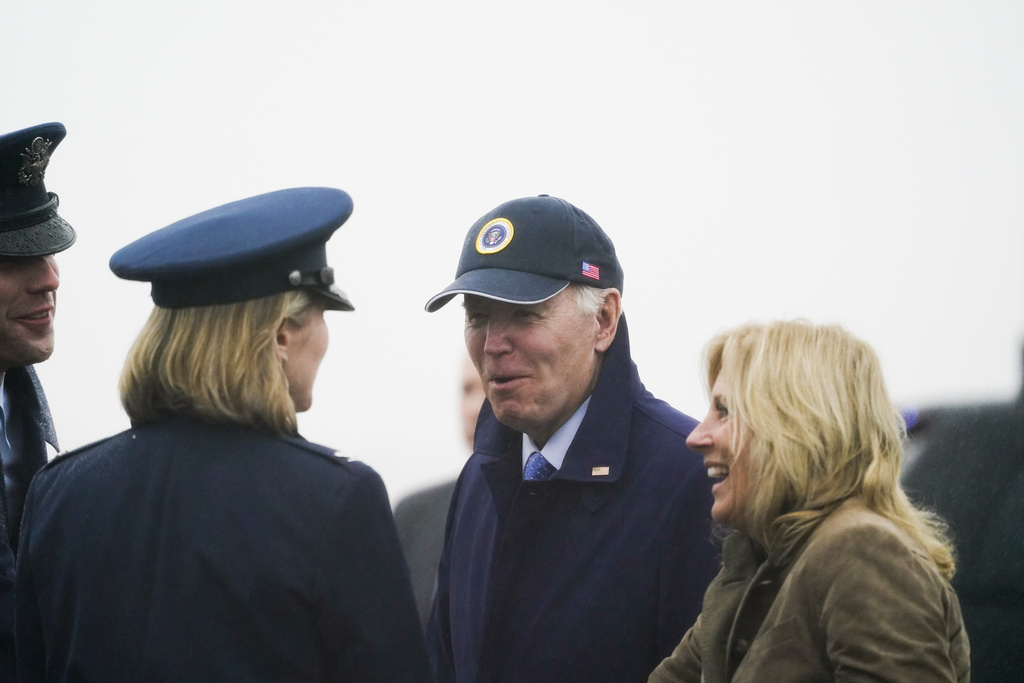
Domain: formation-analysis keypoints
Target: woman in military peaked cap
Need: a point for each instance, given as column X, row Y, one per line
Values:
column 210, row 542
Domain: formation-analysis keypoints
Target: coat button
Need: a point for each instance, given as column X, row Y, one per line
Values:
column 741, row 647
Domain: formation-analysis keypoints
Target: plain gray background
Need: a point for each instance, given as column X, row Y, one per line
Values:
column 850, row 162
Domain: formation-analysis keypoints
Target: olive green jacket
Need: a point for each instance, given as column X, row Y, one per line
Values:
column 860, row 602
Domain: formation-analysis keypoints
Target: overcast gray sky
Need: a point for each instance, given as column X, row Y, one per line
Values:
column 850, row 162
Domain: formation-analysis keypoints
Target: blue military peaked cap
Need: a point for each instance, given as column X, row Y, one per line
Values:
column 29, row 224
column 256, row 247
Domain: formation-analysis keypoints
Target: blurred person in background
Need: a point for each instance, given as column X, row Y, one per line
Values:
column 831, row 573
column 967, row 463
column 210, row 542
column 31, row 232
column 420, row 517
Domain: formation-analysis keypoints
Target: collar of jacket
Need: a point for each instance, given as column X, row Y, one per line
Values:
column 598, row 452
column 747, row 584
column 24, row 388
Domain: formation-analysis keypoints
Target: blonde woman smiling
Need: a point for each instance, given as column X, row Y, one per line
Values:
column 831, row 574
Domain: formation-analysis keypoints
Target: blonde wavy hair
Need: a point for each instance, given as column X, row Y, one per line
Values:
column 217, row 363
column 810, row 405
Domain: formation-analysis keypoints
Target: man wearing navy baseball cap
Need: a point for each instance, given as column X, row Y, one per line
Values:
column 31, row 232
column 578, row 543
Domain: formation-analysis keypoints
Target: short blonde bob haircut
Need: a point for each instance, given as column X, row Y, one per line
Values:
column 810, row 405
column 217, row 363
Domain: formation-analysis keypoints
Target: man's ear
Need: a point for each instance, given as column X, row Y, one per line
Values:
column 608, row 320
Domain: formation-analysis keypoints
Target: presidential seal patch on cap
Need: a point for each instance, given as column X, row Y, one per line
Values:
column 494, row 236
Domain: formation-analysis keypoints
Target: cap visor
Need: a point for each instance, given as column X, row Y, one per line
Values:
column 510, row 286
column 334, row 299
column 49, row 237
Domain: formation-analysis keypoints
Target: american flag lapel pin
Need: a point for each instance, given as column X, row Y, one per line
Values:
column 600, row 471
column 591, row 271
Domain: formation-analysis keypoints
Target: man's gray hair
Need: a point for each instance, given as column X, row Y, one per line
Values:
column 588, row 299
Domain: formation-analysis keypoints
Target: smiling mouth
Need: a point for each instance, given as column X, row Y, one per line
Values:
column 35, row 319
column 718, row 471
column 502, row 380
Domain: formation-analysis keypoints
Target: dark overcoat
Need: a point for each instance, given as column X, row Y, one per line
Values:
column 183, row 551
column 967, row 463
column 29, row 408
column 591, row 576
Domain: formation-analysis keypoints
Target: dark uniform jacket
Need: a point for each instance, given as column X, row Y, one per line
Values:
column 860, row 602
column 30, row 410
column 591, row 576
column 182, row 551
column 967, row 463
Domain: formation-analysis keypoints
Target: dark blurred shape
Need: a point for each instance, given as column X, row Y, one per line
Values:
column 966, row 463
column 420, row 517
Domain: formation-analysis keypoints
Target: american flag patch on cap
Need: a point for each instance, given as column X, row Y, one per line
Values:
column 591, row 271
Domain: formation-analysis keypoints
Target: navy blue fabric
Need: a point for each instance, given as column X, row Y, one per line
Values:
column 545, row 244
column 29, row 407
column 239, row 251
column 585, row 577
column 8, row 667
column 182, row 551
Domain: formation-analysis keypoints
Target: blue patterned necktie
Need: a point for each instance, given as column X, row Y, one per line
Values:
column 537, row 468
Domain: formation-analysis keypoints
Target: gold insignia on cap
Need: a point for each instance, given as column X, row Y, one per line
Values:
column 600, row 471
column 34, row 160
column 494, row 236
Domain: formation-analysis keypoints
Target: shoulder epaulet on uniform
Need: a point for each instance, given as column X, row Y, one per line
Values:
column 311, row 447
column 64, row 455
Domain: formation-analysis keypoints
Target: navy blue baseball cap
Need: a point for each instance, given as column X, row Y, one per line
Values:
column 528, row 250
column 256, row 247
column 29, row 224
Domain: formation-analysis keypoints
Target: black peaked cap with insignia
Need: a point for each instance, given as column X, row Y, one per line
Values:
column 29, row 224
column 249, row 249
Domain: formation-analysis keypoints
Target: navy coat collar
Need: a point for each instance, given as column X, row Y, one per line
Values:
column 26, row 391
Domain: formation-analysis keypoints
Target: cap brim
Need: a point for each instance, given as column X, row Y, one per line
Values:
column 510, row 286
column 51, row 236
column 334, row 299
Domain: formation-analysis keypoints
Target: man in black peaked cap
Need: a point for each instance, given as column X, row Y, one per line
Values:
column 31, row 232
